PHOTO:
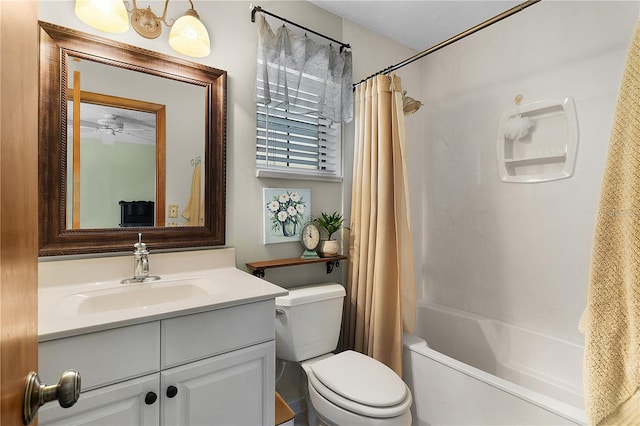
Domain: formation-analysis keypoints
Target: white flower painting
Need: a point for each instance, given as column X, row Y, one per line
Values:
column 285, row 212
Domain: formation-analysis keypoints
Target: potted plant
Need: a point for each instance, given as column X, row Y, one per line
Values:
column 331, row 223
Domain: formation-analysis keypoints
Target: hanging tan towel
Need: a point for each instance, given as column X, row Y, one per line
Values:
column 195, row 209
column 612, row 319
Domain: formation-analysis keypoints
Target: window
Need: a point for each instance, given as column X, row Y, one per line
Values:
column 296, row 138
column 303, row 94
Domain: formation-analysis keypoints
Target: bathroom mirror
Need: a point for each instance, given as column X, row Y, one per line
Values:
column 188, row 104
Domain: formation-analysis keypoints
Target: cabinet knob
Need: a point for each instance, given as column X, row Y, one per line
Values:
column 172, row 391
column 150, row 398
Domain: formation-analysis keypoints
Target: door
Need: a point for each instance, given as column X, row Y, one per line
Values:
column 235, row 388
column 18, row 203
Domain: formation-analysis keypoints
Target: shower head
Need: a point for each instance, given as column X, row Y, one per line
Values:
column 409, row 105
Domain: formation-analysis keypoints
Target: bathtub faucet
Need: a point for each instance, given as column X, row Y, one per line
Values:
column 140, row 264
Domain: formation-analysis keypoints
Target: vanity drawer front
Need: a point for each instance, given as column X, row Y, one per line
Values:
column 103, row 357
column 198, row 336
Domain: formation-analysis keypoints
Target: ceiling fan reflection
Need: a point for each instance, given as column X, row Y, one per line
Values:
column 113, row 128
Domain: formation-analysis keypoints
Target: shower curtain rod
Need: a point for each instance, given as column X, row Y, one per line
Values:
column 452, row 40
column 255, row 9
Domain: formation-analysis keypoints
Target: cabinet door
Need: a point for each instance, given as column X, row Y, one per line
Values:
column 104, row 357
column 236, row 388
column 122, row 404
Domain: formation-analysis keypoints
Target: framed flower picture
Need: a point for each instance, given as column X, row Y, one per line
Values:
column 285, row 213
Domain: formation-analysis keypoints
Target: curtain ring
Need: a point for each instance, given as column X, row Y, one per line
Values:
column 392, row 86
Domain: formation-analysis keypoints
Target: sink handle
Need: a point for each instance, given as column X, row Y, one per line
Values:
column 36, row 394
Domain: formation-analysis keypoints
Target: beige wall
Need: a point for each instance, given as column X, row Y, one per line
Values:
column 234, row 40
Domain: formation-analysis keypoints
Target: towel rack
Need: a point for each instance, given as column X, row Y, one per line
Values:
column 196, row 160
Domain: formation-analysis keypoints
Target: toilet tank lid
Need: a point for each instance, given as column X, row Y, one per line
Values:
column 312, row 293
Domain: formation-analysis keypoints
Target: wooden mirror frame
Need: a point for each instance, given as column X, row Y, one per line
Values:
column 56, row 45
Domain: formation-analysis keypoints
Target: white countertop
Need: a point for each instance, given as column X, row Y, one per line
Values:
column 59, row 315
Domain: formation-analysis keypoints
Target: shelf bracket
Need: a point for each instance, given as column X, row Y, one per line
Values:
column 331, row 264
column 259, row 272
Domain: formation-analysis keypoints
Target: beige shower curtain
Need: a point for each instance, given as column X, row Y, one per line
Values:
column 381, row 283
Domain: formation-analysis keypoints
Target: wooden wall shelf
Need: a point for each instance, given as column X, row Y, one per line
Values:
column 258, row 268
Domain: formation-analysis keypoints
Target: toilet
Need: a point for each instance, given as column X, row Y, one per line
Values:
column 347, row 388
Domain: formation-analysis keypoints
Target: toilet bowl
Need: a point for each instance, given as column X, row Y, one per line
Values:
column 350, row 388
column 347, row 388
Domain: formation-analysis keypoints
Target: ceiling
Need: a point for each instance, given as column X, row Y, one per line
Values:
column 418, row 24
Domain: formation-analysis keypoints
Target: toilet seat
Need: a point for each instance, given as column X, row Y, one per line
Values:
column 361, row 385
column 331, row 414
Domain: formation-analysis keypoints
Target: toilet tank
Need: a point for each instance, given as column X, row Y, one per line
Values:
column 308, row 321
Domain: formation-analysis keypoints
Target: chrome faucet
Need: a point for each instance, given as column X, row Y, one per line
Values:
column 140, row 264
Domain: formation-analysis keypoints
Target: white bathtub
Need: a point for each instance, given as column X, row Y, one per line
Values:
column 479, row 371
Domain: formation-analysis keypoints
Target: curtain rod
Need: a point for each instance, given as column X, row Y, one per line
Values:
column 452, row 40
column 255, row 9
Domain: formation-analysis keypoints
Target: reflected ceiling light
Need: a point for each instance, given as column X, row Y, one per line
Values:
column 409, row 105
column 188, row 35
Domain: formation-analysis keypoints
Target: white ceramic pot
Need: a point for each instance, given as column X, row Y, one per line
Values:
column 328, row 248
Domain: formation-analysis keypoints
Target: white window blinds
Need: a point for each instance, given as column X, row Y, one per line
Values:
column 297, row 141
column 302, row 95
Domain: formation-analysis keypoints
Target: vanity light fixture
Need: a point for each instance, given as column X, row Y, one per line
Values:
column 188, row 35
column 109, row 16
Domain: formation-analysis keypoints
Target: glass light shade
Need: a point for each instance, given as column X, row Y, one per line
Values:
column 105, row 15
column 189, row 36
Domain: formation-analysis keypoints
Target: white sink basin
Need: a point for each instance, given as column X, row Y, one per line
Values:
column 140, row 296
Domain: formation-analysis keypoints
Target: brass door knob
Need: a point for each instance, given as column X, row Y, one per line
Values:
column 67, row 392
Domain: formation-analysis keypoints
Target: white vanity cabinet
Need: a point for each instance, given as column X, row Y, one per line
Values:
column 208, row 368
column 122, row 404
column 228, row 389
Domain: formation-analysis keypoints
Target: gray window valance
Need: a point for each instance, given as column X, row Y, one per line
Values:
column 301, row 75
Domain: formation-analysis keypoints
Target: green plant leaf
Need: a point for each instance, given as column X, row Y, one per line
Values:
column 331, row 222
